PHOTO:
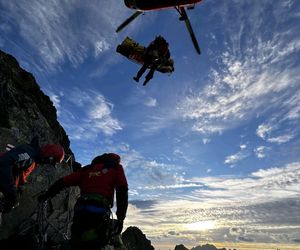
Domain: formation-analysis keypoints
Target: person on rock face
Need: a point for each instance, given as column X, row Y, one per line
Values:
column 98, row 182
column 17, row 164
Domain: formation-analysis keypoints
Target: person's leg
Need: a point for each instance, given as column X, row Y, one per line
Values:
column 140, row 72
column 89, row 231
column 149, row 76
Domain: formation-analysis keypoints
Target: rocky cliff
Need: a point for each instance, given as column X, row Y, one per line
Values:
column 134, row 239
column 25, row 112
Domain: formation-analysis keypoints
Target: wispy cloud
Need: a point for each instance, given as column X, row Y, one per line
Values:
column 56, row 101
column 248, row 82
column 205, row 140
column 261, row 206
column 281, row 139
column 263, row 130
column 242, row 154
column 150, row 102
column 56, row 34
column 273, row 132
column 260, row 151
column 86, row 114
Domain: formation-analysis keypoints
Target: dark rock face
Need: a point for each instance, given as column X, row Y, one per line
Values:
column 134, row 239
column 180, row 247
column 25, row 112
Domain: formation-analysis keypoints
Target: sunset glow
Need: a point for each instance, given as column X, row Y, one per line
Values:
column 201, row 225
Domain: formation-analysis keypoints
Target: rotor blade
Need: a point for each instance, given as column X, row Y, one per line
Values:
column 190, row 29
column 129, row 20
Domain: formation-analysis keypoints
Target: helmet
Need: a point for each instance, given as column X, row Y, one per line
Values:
column 111, row 158
column 116, row 157
column 160, row 39
column 53, row 152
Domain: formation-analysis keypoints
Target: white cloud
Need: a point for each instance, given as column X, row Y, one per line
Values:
column 56, row 101
column 248, row 83
column 151, row 102
column 232, row 159
column 263, row 130
column 281, row 139
column 55, row 32
column 205, row 140
column 263, row 185
column 101, row 46
column 181, row 155
column 260, row 151
column 86, row 114
column 158, row 122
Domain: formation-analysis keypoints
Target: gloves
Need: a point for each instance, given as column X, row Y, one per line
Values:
column 119, row 226
column 43, row 197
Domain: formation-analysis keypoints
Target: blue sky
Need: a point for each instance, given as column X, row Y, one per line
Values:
column 211, row 151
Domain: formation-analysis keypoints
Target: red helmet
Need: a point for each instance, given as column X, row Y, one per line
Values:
column 107, row 158
column 53, row 151
column 116, row 157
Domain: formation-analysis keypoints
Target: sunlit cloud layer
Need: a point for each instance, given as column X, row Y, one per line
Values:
column 260, row 207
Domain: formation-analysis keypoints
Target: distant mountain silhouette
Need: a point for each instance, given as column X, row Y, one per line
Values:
column 180, row 247
column 207, row 247
column 134, row 239
column 203, row 247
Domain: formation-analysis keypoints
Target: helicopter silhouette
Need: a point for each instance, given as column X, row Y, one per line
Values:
column 142, row 6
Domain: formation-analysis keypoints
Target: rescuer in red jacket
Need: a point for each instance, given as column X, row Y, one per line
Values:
column 17, row 164
column 97, row 182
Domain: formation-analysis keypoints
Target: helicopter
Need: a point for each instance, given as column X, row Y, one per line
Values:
column 142, row 6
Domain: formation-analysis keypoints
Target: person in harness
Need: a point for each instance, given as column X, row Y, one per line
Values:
column 17, row 164
column 98, row 182
column 156, row 53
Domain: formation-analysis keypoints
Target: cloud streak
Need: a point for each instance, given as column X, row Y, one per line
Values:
column 248, row 82
column 56, row 35
column 260, row 207
column 86, row 114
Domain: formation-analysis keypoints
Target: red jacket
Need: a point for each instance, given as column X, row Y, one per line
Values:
column 21, row 179
column 98, row 179
column 103, row 177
